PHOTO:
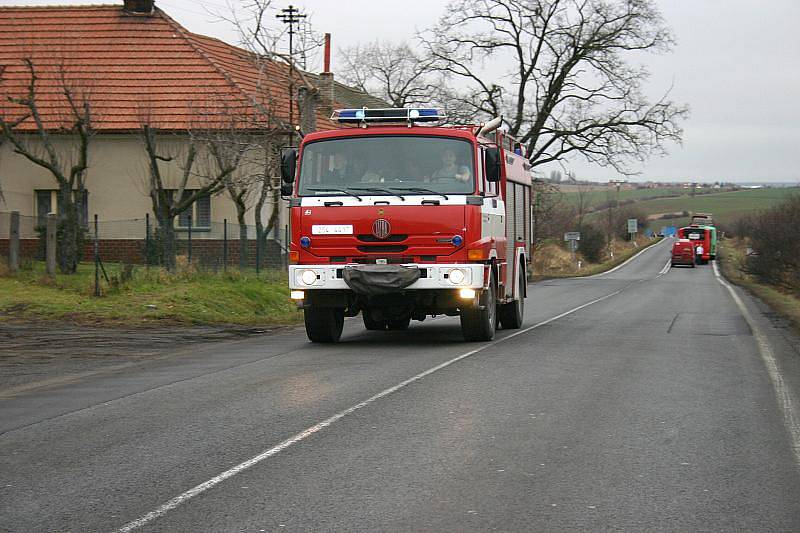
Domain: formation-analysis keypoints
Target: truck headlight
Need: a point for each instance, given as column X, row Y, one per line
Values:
column 308, row 277
column 456, row 276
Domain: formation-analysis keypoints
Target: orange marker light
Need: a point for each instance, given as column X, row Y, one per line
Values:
column 475, row 254
column 294, row 257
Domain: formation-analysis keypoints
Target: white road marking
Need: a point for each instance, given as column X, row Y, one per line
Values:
column 783, row 395
column 666, row 268
column 631, row 258
column 216, row 480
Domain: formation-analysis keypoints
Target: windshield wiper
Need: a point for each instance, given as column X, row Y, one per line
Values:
column 378, row 189
column 323, row 189
column 419, row 189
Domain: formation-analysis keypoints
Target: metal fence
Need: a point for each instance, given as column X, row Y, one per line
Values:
column 215, row 245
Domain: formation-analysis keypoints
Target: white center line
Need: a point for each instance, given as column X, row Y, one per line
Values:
column 783, row 394
column 191, row 493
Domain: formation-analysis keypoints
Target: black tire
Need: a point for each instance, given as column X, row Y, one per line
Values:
column 512, row 313
column 324, row 324
column 480, row 324
column 399, row 325
column 372, row 324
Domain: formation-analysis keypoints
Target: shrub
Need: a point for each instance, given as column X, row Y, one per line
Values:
column 592, row 243
column 773, row 238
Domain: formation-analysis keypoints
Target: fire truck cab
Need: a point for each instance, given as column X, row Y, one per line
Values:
column 398, row 220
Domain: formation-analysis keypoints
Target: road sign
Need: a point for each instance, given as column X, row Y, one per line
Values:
column 572, row 236
column 633, row 225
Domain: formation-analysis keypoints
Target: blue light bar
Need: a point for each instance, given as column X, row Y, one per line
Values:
column 401, row 114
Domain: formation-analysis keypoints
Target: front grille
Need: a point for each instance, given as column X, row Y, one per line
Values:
column 423, row 272
column 367, row 260
column 383, row 249
column 391, row 238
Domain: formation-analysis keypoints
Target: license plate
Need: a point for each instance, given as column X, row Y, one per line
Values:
column 332, row 229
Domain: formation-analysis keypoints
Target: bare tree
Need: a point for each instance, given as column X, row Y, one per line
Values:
column 570, row 90
column 393, row 72
column 582, row 198
column 206, row 156
column 546, row 203
column 261, row 37
column 60, row 145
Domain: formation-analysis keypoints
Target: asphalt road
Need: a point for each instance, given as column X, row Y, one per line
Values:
column 631, row 401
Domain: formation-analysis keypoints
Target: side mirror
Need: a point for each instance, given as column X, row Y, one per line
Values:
column 287, row 189
column 492, row 164
column 288, row 165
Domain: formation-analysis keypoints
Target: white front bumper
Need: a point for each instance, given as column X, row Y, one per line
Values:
column 436, row 276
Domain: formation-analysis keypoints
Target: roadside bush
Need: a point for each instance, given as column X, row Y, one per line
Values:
column 773, row 238
column 592, row 243
column 618, row 220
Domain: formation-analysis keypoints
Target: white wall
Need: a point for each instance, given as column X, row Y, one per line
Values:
column 116, row 180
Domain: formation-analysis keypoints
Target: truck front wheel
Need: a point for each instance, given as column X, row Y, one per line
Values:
column 512, row 313
column 324, row 324
column 479, row 323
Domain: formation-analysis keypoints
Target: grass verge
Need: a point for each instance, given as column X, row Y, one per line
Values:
column 136, row 296
column 557, row 262
column 731, row 260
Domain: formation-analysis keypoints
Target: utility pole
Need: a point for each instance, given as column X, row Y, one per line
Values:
column 291, row 16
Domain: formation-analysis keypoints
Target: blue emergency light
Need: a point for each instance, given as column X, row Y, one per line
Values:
column 399, row 114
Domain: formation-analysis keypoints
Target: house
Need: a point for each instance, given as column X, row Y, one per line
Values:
column 136, row 66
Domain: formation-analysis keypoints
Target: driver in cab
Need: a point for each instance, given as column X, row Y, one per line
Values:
column 451, row 168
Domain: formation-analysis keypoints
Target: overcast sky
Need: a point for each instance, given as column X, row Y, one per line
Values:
column 736, row 63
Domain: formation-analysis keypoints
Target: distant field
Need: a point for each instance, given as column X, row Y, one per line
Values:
column 599, row 195
column 725, row 207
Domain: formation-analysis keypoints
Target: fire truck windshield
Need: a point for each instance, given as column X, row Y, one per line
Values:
column 383, row 164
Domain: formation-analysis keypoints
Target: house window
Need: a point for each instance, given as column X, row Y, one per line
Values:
column 48, row 201
column 200, row 211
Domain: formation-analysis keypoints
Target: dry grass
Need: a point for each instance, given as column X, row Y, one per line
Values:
column 551, row 260
column 731, row 259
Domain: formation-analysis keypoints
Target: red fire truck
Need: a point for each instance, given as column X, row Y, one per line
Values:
column 398, row 218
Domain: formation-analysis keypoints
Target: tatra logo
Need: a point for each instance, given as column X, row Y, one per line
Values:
column 381, row 228
column 380, row 212
column 307, row 212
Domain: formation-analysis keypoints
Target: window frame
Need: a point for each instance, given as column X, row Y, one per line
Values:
column 179, row 224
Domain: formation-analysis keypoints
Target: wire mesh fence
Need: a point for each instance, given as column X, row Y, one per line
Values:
column 213, row 245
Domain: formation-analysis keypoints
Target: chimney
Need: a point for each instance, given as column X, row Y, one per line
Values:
column 327, row 52
column 326, row 81
column 139, row 7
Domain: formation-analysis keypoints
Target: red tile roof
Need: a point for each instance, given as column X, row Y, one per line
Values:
column 131, row 66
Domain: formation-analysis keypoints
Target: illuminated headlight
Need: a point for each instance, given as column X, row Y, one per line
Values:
column 456, row 276
column 308, row 277
column 297, row 295
column 466, row 294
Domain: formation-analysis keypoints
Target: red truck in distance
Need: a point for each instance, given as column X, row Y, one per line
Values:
column 398, row 218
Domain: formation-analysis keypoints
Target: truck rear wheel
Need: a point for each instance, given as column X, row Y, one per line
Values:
column 512, row 313
column 479, row 323
column 324, row 324
column 372, row 324
column 400, row 324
